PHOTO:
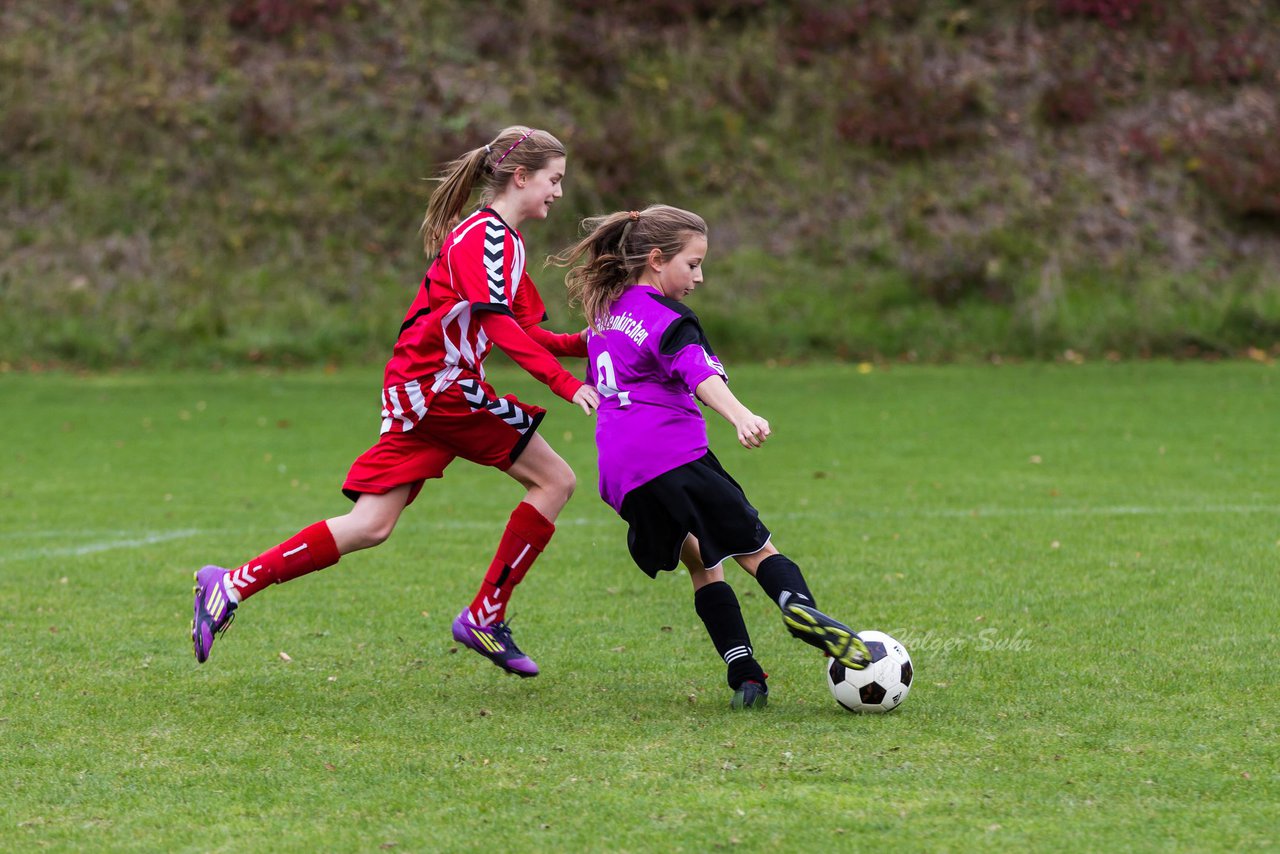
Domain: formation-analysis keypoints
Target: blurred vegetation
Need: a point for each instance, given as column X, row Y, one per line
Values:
column 218, row 183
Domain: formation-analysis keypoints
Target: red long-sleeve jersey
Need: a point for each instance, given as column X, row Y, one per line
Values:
column 476, row 294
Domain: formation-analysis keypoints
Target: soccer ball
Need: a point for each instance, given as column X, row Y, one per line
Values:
column 881, row 685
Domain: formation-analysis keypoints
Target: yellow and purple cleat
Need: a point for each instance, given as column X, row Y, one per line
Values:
column 214, row 610
column 494, row 643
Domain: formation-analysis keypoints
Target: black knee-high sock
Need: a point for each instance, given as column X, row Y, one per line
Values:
column 718, row 607
column 782, row 580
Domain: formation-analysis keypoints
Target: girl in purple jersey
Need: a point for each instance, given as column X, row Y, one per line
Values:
column 649, row 359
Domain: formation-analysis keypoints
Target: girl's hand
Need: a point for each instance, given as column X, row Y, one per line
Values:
column 587, row 398
column 752, row 430
column 584, row 333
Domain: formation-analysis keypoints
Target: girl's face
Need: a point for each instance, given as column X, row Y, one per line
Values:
column 677, row 277
column 535, row 192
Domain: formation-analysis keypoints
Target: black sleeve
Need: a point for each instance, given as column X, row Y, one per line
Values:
column 681, row 334
column 684, row 331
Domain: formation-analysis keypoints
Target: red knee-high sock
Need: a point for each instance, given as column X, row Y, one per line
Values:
column 310, row 549
column 526, row 536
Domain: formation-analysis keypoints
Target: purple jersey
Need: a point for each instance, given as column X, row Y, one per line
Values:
column 646, row 361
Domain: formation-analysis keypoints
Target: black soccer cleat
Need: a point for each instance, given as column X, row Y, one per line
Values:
column 750, row 695
column 831, row 636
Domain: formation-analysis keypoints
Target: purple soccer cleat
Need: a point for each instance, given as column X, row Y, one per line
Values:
column 213, row 610
column 494, row 643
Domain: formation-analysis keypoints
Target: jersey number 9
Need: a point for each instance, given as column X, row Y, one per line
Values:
column 607, row 381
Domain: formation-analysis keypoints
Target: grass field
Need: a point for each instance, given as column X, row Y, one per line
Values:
column 1081, row 559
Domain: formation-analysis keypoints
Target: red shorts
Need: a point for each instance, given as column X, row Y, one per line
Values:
column 493, row 435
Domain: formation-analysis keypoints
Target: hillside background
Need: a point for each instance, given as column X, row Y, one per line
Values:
column 221, row 183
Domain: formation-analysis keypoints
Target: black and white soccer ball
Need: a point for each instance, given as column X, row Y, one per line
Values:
column 879, row 687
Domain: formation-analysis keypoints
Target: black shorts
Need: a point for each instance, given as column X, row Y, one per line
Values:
column 698, row 498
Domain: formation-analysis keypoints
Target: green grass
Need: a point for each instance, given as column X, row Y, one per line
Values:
column 1080, row 558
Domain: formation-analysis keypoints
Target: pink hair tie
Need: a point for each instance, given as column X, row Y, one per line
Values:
column 498, row 162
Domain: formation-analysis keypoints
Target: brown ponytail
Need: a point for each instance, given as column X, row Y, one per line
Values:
column 491, row 166
column 616, row 250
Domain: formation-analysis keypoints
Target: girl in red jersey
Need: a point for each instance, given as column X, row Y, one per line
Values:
column 437, row 405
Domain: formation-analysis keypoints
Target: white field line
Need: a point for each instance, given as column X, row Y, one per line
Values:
column 141, row 541
column 55, row 533
column 100, row 546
